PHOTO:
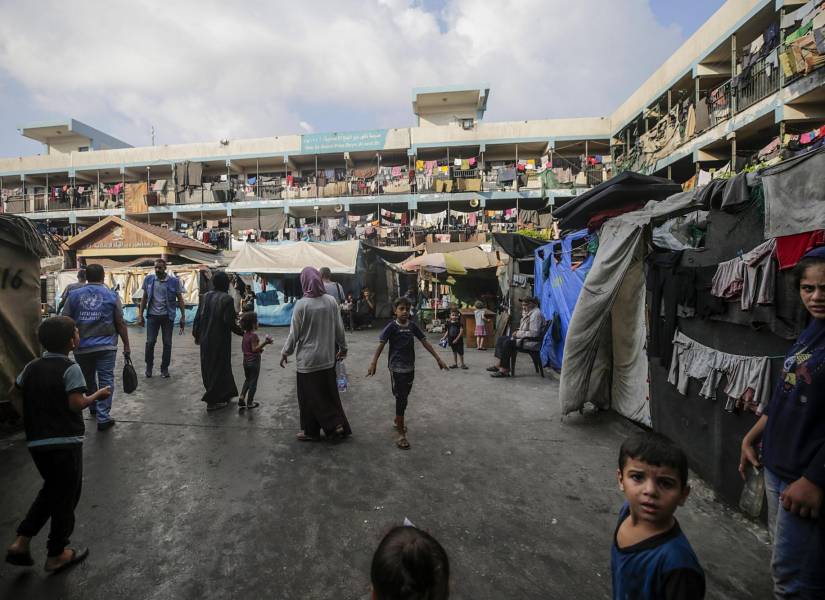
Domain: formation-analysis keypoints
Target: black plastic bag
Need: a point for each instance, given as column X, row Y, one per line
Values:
column 130, row 378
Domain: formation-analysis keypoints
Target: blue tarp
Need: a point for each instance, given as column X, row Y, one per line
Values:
column 271, row 306
column 557, row 286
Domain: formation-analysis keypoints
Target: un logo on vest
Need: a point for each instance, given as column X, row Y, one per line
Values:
column 91, row 301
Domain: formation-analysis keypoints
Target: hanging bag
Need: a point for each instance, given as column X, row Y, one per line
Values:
column 130, row 378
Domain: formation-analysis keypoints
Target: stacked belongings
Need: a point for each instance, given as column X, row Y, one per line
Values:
column 804, row 48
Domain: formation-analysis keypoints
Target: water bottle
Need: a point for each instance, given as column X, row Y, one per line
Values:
column 341, row 376
column 753, row 494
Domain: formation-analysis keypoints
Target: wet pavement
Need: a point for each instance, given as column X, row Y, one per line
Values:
column 178, row 503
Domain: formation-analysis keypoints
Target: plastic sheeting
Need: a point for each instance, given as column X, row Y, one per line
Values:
column 128, row 282
column 559, row 292
column 795, row 195
column 284, row 259
column 604, row 361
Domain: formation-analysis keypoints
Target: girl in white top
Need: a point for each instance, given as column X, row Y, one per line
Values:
column 481, row 325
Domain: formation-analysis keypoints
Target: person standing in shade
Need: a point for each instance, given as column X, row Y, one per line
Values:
column 792, row 436
column 314, row 334
column 81, row 281
column 215, row 322
column 98, row 313
column 162, row 294
column 333, row 288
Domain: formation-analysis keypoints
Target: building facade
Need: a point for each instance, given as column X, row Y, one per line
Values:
column 747, row 82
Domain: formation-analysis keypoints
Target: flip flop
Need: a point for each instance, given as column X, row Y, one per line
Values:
column 253, row 405
column 402, row 443
column 465, row 367
column 20, row 559
column 453, row 366
column 492, row 369
column 498, row 374
column 78, row 556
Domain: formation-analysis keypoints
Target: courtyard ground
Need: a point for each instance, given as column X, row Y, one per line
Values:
column 178, row 503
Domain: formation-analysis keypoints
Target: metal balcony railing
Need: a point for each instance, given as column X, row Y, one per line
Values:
column 719, row 104
column 761, row 82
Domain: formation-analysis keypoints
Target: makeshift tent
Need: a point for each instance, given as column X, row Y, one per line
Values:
column 557, row 286
column 625, row 190
column 290, row 259
column 795, row 195
column 21, row 249
column 128, row 283
column 604, row 361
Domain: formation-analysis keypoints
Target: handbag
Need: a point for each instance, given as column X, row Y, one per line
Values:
column 130, row 378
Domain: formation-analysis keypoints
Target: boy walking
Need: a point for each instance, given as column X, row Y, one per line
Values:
column 401, row 334
column 53, row 401
column 651, row 558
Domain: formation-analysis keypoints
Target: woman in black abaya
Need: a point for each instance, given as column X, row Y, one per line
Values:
column 215, row 322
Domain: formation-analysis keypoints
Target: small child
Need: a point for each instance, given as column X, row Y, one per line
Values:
column 400, row 333
column 651, row 558
column 455, row 338
column 252, row 349
column 348, row 312
column 481, row 324
column 54, row 396
column 410, row 563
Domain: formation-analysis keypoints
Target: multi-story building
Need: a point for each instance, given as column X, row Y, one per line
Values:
column 750, row 75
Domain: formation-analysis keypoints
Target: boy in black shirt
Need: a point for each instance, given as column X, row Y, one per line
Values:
column 455, row 339
column 400, row 334
column 53, row 401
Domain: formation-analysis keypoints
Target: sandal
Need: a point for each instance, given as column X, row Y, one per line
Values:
column 302, row 437
column 492, row 369
column 19, row 559
column 402, row 443
column 78, row 556
column 498, row 374
column 252, row 405
column 453, row 366
column 465, row 367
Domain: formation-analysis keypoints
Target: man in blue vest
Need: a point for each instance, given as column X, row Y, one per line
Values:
column 98, row 314
column 162, row 295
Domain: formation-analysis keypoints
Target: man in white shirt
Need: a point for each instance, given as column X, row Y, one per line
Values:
column 527, row 336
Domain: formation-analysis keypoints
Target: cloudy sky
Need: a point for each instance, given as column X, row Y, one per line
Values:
column 200, row 70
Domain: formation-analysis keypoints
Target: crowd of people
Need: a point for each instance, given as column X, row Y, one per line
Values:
column 650, row 555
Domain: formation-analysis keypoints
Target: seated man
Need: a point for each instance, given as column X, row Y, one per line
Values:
column 525, row 337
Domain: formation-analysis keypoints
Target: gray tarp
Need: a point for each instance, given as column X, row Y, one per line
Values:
column 795, row 195
column 604, row 356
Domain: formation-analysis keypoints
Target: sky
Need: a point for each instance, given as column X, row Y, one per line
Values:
column 204, row 70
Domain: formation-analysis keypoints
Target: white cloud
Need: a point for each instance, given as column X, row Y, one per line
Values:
column 209, row 69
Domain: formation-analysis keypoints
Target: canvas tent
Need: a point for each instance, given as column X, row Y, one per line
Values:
column 604, row 360
column 290, row 259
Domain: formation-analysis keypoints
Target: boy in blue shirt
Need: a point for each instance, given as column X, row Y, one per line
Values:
column 651, row 559
column 54, row 396
column 401, row 334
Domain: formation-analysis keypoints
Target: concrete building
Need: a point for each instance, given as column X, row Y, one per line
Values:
column 726, row 93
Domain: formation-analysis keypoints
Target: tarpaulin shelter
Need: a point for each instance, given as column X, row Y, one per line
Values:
column 626, row 190
column 795, row 195
column 604, row 360
column 279, row 265
column 128, row 283
column 290, row 259
column 557, row 286
column 21, row 248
